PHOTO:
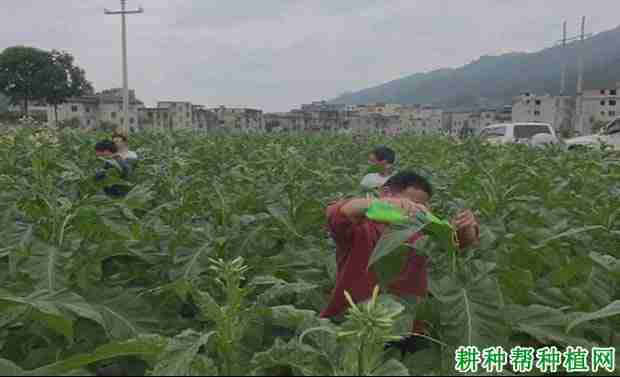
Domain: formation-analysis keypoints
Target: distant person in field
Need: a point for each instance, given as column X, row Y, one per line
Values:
column 382, row 161
column 113, row 162
column 122, row 144
column 356, row 238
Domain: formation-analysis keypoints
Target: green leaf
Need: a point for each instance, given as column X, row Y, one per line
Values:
column 471, row 314
column 517, row 283
column 118, row 326
column 147, row 347
column 191, row 269
column 282, row 216
column 51, row 308
column 179, row 357
column 391, row 368
column 579, row 266
column 391, row 241
column 290, row 317
column 280, row 288
column 303, row 359
column 545, row 324
column 568, row 234
column 389, row 266
column 610, row 310
column 8, row 368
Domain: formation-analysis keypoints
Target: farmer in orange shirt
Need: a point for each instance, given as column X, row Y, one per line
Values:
column 356, row 238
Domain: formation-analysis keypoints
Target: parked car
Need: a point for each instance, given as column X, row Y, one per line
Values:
column 523, row 133
column 609, row 135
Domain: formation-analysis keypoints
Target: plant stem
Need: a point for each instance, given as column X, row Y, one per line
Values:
column 360, row 359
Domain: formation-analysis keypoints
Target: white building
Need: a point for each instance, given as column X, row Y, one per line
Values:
column 94, row 110
column 240, row 119
column 177, row 115
column 385, row 109
column 463, row 122
column 422, row 119
column 532, row 108
column 598, row 106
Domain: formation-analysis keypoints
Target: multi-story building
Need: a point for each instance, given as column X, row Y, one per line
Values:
column 239, row 119
column 176, row 115
column 385, row 109
column 94, row 110
column 530, row 107
column 463, row 122
column 323, row 106
column 422, row 119
column 598, row 106
column 504, row 114
column 557, row 111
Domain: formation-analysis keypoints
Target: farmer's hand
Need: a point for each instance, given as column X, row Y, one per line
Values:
column 467, row 228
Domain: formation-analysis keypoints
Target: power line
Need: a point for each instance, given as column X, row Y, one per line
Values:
column 124, row 12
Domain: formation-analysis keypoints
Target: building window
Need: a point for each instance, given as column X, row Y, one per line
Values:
column 88, row 109
column 527, row 102
column 113, row 115
column 612, row 102
column 603, row 91
column 538, row 102
column 603, row 113
column 613, row 92
column 602, row 103
column 537, row 113
column 74, row 109
column 131, row 121
column 612, row 113
column 88, row 122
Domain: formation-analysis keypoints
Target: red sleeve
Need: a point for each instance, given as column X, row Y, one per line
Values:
column 339, row 225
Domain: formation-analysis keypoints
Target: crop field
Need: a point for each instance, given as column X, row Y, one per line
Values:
column 218, row 261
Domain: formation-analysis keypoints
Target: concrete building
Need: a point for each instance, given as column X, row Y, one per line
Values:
column 529, row 107
column 171, row 115
column 464, row 122
column 504, row 114
column 558, row 111
column 385, row 109
column 598, row 106
column 239, row 119
column 94, row 110
column 422, row 119
column 35, row 108
column 323, row 106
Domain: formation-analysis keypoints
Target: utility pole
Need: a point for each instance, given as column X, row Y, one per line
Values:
column 581, row 51
column 563, row 86
column 579, row 101
column 564, row 42
column 123, row 12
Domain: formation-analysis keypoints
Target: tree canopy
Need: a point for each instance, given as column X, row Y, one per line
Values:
column 31, row 74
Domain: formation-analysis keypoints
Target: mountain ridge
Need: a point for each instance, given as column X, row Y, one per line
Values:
column 494, row 80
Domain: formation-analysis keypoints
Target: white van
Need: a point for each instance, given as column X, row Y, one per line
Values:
column 524, row 133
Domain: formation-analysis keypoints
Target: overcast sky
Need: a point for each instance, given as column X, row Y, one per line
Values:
column 278, row 54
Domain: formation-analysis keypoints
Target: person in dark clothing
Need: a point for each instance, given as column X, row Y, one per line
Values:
column 108, row 151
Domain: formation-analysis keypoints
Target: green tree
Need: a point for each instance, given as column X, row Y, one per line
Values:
column 24, row 74
column 66, row 80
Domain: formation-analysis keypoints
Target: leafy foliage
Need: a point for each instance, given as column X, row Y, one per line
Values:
column 218, row 262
